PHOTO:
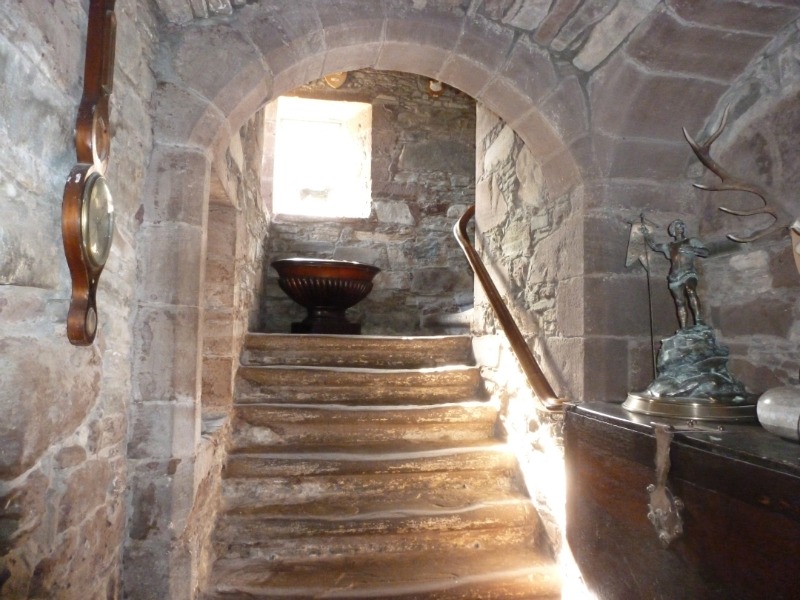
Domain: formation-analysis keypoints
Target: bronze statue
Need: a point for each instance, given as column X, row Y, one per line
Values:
column 682, row 276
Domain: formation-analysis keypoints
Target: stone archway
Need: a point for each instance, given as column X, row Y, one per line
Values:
column 199, row 104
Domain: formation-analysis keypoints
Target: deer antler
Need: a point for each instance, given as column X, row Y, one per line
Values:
column 730, row 183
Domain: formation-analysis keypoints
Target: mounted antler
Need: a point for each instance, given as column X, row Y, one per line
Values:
column 730, row 183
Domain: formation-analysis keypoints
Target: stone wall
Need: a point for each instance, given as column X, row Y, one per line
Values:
column 560, row 265
column 63, row 435
column 597, row 91
column 529, row 237
column 423, row 151
column 752, row 291
column 237, row 234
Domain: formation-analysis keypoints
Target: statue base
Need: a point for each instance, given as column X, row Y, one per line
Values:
column 694, row 409
column 693, row 382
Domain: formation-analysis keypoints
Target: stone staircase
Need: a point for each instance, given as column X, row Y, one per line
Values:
column 367, row 467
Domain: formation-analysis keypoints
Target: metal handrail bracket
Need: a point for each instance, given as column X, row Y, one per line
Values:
column 545, row 395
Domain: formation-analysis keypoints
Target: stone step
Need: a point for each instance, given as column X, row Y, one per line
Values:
column 511, row 574
column 367, row 467
column 313, row 529
column 390, row 457
column 288, row 549
column 334, row 385
column 357, row 350
column 262, row 426
column 452, row 488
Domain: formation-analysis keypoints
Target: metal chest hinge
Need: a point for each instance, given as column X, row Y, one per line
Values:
column 664, row 509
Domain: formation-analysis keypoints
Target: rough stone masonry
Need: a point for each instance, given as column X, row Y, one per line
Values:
column 103, row 447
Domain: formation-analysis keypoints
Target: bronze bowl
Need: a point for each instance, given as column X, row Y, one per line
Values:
column 326, row 288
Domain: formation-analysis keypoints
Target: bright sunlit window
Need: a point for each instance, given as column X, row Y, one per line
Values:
column 323, row 153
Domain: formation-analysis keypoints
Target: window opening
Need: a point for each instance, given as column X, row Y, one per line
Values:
column 323, row 155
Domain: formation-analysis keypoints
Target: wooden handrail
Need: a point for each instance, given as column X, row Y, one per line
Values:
column 537, row 379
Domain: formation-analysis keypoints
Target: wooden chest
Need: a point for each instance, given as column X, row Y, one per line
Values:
column 740, row 488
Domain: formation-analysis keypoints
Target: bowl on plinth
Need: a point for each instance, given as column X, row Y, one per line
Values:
column 326, row 288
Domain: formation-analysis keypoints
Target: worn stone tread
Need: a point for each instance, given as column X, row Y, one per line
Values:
column 388, row 457
column 440, row 487
column 407, row 352
column 335, row 385
column 431, row 541
column 405, row 503
column 513, row 574
column 267, row 528
column 263, row 426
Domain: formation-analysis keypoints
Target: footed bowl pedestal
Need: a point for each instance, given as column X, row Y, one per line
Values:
column 326, row 288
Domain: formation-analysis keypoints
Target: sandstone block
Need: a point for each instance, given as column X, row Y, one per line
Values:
column 570, row 307
column 218, row 376
column 351, row 57
column 437, row 155
column 508, row 101
column 485, row 42
column 162, row 492
column 435, row 280
column 165, row 355
column 233, row 56
column 526, row 15
column 579, row 23
column 565, row 108
column 27, row 258
column 641, row 364
column 639, row 112
column 170, row 267
column 296, row 73
column 222, row 232
column 70, row 456
column 643, row 159
column 539, row 134
column 466, row 75
column 177, row 186
column 176, row 12
column 560, row 254
column 612, row 31
column 40, row 113
column 218, row 332
column 563, row 364
column 429, row 30
column 554, row 21
column 605, row 244
column 765, row 315
column 161, row 430
column 182, row 118
column 349, row 23
column 616, row 306
column 394, row 212
column 517, row 239
column 400, row 56
column 86, row 489
column 220, row 285
column 23, row 506
column 561, row 174
column 634, row 196
column 531, row 68
column 695, row 51
column 54, row 402
column 736, row 16
column 108, row 431
column 605, row 368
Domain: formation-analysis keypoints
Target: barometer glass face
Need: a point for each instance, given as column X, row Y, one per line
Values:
column 97, row 221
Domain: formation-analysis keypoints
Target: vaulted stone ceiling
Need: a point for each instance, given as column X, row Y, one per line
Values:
column 632, row 71
column 711, row 39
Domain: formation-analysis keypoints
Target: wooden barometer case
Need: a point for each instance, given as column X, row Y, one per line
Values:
column 87, row 210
